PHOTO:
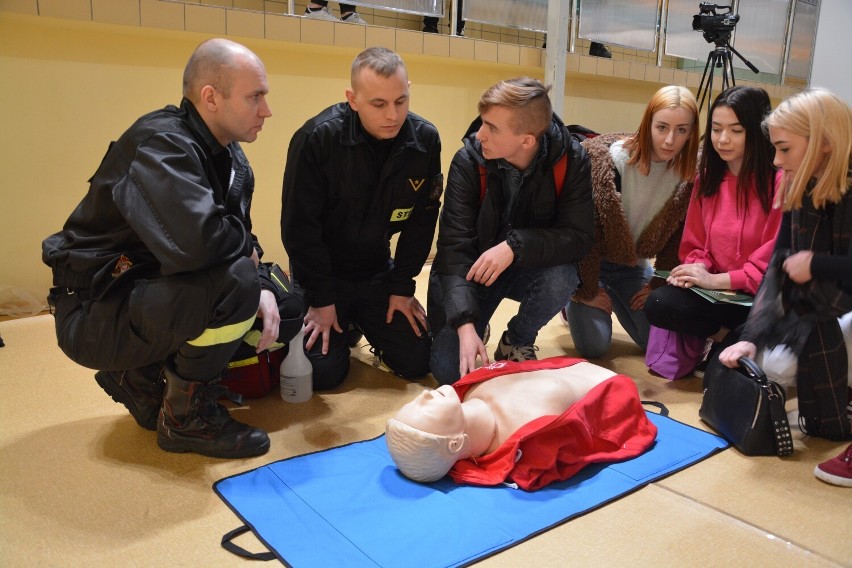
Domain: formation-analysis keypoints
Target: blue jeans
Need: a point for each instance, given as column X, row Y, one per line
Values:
column 542, row 292
column 591, row 328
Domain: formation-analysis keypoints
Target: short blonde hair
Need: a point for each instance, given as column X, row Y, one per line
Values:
column 422, row 456
column 822, row 117
column 527, row 98
column 381, row 60
column 640, row 146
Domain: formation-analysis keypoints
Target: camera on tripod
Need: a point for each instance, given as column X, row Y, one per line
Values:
column 716, row 28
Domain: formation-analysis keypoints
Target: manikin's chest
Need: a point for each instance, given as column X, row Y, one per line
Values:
column 516, row 399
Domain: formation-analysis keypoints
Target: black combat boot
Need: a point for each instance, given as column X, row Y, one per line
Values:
column 192, row 420
column 140, row 390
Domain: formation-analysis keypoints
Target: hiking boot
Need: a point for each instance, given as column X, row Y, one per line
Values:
column 507, row 352
column 837, row 470
column 192, row 420
column 140, row 390
column 320, row 14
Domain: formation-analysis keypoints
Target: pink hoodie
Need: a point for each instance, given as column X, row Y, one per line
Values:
column 722, row 239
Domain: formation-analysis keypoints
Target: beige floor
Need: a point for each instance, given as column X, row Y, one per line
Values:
column 83, row 485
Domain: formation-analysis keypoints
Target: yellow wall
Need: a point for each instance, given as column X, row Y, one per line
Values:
column 68, row 88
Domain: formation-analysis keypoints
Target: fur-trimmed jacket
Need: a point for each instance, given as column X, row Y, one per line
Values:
column 613, row 240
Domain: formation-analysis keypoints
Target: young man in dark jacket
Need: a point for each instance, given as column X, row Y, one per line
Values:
column 516, row 220
column 156, row 272
column 358, row 173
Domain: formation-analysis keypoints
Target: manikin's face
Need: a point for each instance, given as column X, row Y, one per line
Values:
column 240, row 117
column 437, row 411
column 381, row 102
column 790, row 149
column 728, row 137
column 670, row 129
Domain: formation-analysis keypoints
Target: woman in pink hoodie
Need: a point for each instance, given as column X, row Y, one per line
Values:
column 731, row 224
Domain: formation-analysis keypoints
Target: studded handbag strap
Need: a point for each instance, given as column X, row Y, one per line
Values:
column 776, row 399
column 780, row 426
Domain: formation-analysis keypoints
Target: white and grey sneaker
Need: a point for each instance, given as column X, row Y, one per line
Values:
column 486, row 335
column 508, row 352
column 353, row 18
column 320, row 14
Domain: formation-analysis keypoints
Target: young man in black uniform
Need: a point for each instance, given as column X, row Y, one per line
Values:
column 357, row 173
column 517, row 217
column 156, row 272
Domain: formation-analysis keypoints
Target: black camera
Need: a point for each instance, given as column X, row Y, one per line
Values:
column 716, row 27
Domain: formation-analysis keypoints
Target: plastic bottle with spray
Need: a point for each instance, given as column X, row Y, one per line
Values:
column 296, row 372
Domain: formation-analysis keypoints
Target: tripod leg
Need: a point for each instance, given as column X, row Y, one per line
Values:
column 731, row 67
column 712, row 62
column 710, row 85
column 702, row 94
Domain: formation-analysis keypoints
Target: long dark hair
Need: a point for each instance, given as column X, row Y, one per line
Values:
column 751, row 105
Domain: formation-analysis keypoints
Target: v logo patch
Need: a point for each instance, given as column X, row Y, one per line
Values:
column 416, row 184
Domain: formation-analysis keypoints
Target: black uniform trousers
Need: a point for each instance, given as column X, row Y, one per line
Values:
column 192, row 322
column 365, row 304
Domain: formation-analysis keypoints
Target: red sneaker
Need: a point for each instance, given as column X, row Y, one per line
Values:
column 837, row 470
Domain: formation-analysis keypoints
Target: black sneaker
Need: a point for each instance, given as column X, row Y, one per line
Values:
column 140, row 390
column 711, row 351
column 508, row 352
column 701, row 369
column 599, row 50
column 353, row 335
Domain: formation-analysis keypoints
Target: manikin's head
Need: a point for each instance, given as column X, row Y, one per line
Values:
column 426, row 437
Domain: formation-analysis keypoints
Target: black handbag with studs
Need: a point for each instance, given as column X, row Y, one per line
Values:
column 746, row 408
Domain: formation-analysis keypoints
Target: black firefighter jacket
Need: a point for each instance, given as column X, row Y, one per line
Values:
column 340, row 208
column 161, row 202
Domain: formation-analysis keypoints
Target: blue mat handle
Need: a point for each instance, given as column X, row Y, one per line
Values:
column 664, row 411
column 228, row 545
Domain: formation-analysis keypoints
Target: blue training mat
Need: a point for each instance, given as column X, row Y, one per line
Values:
column 349, row 506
